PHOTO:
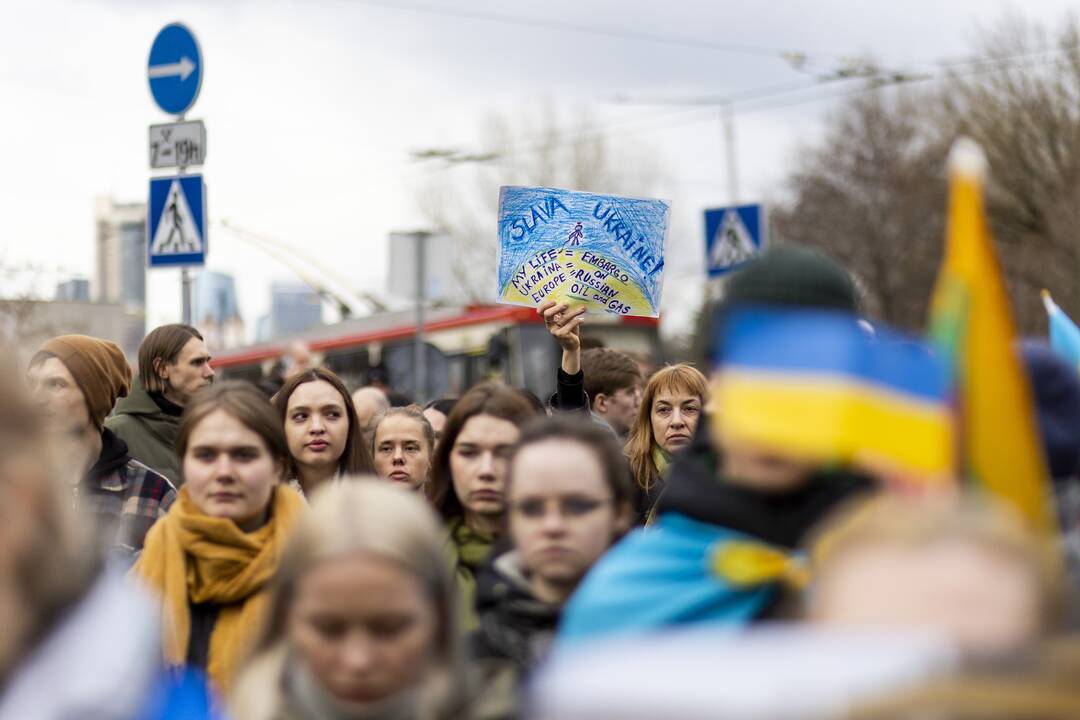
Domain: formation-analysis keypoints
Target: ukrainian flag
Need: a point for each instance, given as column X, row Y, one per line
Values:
column 1064, row 335
column 819, row 386
column 971, row 320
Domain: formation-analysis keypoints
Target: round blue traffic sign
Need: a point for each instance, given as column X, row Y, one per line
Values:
column 175, row 69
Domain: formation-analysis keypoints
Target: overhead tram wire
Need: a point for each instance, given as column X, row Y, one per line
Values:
column 688, row 41
column 701, row 113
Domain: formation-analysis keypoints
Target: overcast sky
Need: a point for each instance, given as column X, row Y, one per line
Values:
column 312, row 109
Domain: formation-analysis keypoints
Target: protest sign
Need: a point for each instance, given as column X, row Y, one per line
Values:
column 603, row 251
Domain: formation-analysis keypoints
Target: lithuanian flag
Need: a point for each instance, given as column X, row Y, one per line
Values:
column 972, row 322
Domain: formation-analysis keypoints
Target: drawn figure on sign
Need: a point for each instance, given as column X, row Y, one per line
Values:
column 173, row 210
column 575, row 238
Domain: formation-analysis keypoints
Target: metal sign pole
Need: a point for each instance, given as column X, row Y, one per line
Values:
column 419, row 355
column 185, row 295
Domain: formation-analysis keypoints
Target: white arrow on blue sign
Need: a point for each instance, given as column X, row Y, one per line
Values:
column 733, row 235
column 175, row 69
column 176, row 221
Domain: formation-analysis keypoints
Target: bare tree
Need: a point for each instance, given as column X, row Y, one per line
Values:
column 1023, row 108
column 873, row 192
column 461, row 198
column 872, row 195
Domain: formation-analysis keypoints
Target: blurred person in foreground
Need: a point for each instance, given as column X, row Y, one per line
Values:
column 75, row 381
column 324, row 436
column 211, row 557
column 758, row 503
column 469, row 478
column 363, row 620
column 570, row 498
column 174, row 364
column 403, row 447
column 964, row 568
column 77, row 640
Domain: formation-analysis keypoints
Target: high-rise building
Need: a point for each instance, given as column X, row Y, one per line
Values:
column 294, row 308
column 121, row 253
column 216, row 311
column 74, row 290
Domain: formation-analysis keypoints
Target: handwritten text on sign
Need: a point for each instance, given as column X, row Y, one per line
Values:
column 604, row 251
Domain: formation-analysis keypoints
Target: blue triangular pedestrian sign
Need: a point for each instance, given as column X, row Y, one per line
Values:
column 176, row 221
column 733, row 235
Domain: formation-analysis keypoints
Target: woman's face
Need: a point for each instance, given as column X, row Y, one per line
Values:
column 316, row 425
column 674, row 417
column 562, row 512
column 228, row 470
column 401, row 451
column 478, row 463
column 365, row 627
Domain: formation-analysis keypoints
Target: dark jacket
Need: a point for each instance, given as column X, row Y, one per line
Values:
column 148, row 426
column 672, row 574
column 694, row 489
column 514, row 625
column 123, row 496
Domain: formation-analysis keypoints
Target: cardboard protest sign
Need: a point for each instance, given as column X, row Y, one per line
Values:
column 603, row 251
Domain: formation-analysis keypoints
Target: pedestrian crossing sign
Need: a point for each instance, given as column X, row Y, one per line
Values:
column 176, row 222
column 733, row 235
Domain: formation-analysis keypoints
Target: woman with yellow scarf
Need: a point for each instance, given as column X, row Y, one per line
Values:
column 211, row 557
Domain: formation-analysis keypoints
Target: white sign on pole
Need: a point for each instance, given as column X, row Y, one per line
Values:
column 179, row 144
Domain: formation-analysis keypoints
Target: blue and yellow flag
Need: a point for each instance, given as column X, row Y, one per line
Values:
column 1064, row 335
column 972, row 322
column 820, row 386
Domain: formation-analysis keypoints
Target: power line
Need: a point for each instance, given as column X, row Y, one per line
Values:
column 666, row 39
column 700, row 113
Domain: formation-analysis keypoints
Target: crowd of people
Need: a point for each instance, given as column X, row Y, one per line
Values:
column 176, row 546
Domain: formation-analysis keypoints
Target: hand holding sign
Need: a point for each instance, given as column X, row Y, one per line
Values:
column 564, row 325
column 603, row 252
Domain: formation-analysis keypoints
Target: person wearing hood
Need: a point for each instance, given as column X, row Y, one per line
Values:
column 75, row 381
column 174, row 363
column 731, row 517
column 570, row 498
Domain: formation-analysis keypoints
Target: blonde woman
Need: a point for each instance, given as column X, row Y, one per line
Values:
column 362, row 619
column 671, row 406
column 211, row 557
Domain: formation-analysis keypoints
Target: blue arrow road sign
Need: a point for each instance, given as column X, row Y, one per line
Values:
column 176, row 222
column 733, row 235
column 175, row 69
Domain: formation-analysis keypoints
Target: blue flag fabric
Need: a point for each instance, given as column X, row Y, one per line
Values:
column 1064, row 334
column 659, row 577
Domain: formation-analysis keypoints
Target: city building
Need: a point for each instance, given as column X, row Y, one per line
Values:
column 74, row 290
column 294, row 308
column 121, row 253
column 215, row 310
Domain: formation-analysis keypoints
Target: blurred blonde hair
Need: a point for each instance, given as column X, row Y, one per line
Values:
column 639, row 443
column 900, row 521
column 57, row 559
column 359, row 515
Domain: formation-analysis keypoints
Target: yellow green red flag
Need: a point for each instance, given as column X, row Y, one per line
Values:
column 972, row 321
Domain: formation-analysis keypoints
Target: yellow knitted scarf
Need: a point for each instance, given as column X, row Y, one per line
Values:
column 190, row 557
